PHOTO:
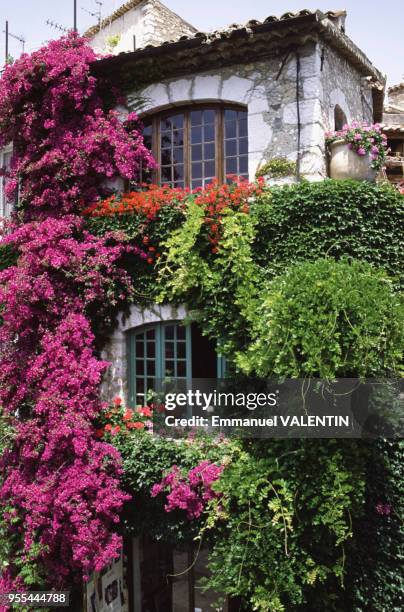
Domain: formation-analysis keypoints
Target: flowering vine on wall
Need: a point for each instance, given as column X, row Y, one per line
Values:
column 60, row 492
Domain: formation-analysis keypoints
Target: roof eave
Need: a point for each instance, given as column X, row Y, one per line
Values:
column 314, row 24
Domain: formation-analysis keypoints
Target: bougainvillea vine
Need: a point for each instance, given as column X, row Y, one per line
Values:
column 191, row 492
column 60, row 492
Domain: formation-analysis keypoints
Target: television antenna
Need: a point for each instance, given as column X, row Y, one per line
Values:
column 56, row 26
column 10, row 35
column 96, row 13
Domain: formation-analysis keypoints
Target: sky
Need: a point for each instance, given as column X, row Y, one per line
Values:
column 379, row 34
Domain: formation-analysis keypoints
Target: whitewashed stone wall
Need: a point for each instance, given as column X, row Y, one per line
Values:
column 115, row 351
column 271, row 101
column 150, row 22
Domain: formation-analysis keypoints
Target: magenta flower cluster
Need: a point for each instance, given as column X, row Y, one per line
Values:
column 191, row 492
column 364, row 139
column 383, row 509
column 60, row 490
column 65, row 143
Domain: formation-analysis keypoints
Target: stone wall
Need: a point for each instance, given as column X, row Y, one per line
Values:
column 269, row 93
column 150, row 22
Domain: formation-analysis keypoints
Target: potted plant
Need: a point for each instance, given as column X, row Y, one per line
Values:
column 278, row 171
column 358, row 151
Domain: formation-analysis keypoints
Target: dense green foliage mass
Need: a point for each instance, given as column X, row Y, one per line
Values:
column 336, row 218
column 307, row 283
column 329, row 319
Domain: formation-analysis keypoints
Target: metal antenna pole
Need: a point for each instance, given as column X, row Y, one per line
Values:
column 6, row 42
column 75, row 16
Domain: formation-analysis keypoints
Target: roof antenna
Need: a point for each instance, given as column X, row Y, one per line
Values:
column 10, row 35
column 56, row 26
column 96, row 13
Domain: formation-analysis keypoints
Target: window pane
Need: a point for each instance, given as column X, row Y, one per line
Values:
column 139, row 385
column 179, row 184
column 151, row 367
column 139, row 348
column 209, row 133
column 178, row 155
column 178, row 138
column 177, row 122
column 165, row 124
column 147, row 136
column 165, row 157
column 231, row 148
column 243, row 169
column 196, row 135
column 243, row 146
column 169, row 350
column 231, row 165
column 209, row 170
column 210, row 151
column 181, row 368
column 151, row 349
column 196, row 118
column 169, row 369
column 242, row 126
column 169, row 330
column 139, row 367
column 166, row 174
column 179, row 172
column 230, row 115
column 209, row 116
column 196, row 170
column 181, row 350
column 196, row 183
column 230, row 130
column 196, row 152
column 181, row 332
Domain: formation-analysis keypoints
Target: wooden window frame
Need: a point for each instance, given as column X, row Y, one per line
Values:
column 154, row 120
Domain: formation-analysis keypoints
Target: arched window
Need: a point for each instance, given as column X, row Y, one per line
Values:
column 170, row 349
column 339, row 118
column 195, row 145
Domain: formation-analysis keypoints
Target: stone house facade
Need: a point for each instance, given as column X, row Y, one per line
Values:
column 291, row 76
column 228, row 101
column 213, row 104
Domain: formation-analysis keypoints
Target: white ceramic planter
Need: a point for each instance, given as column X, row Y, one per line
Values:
column 347, row 164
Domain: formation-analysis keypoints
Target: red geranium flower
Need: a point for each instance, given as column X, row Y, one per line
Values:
column 135, row 425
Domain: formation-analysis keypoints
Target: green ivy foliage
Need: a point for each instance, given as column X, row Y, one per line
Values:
column 288, row 508
column 375, row 580
column 332, row 218
column 328, row 319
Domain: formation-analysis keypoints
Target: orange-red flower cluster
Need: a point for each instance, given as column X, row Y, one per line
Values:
column 216, row 198
column 147, row 202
